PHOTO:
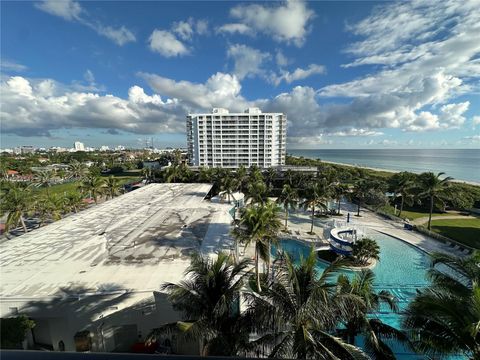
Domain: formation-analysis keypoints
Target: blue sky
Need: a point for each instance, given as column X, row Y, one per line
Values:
column 348, row 74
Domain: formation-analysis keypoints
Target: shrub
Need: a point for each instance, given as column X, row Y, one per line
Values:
column 13, row 331
column 364, row 250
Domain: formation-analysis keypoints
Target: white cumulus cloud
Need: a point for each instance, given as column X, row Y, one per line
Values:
column 186, row 29
column 67, row 9
column 71, row 10
column 220, row 90
column 235, row 28
column 355, row 132
column 427, row 56
column 35, row 107
column 165, row 43
column 287, row 22
column 247, row 61
column 297, row 74
column 476, row 120
column 9, row 65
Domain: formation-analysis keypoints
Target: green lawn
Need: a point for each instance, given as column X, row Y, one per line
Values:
column 466, row 231
column 410, row 213
column 123, row 178
column 58, row 189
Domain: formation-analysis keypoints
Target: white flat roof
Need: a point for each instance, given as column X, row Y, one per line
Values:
column 234, row 114
column 134, row 242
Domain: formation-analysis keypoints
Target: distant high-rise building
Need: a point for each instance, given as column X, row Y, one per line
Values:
column 78, row 146
column 27, row 149
column 104, row 148
column 224, row 139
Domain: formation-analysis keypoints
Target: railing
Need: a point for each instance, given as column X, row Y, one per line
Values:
column 54, row 355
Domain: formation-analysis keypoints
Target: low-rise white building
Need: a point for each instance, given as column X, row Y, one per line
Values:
column 230, row 140
column 91, row 281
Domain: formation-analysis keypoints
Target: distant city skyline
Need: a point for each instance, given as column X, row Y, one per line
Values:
column 346, row 74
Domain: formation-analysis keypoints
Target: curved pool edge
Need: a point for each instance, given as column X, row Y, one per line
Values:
column 418, row 247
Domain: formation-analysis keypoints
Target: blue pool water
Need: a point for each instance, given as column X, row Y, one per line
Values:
column 401, row 270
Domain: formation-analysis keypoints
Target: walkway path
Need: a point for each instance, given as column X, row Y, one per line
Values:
column 395, row 229
column 423, row 220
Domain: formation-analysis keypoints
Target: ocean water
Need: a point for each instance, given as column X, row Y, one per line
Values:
column 461, row 164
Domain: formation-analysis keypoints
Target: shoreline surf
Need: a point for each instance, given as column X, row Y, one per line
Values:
column 460, row 181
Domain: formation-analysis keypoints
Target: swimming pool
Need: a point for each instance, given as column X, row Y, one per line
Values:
column 401, row 270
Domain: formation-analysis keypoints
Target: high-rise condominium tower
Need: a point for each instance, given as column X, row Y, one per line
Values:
column 229, row 140
column 78, row 146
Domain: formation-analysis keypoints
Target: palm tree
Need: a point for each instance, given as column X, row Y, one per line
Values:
column 362, row 189
column 242, row 177
column 61, row 174
column 94, row 185
column 16, row 203
column 77, row 170
column 3, row 171
column 298, row 309
column 257, row 192
column 289, row 199
column 147, row 173
column 217, row 176
column 112, row 186
column 259, row 224
column 358, row 193
column 360, row 321
column 339, row 191
column 42, row 208
column 255, row 174
column 364, row 250
column 177, row 157
column 406, row 191
column 205, row 175
column 209, row 301
column 74, row 201
column 288, row 176
column 315, row 196
column 229, row 186
column 434, row 188
column 444, row 319
column 270, row 175
column 44, row 178
column 173, row 173
column 58, row 205
column 403, row 184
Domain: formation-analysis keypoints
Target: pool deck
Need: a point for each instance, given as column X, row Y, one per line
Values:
column 299, row 224
column 395, row 229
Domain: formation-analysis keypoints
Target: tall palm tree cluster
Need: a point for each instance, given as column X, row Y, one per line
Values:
column 303, row 313
column 433, row 190
column 297, row 312
column 21, row 200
